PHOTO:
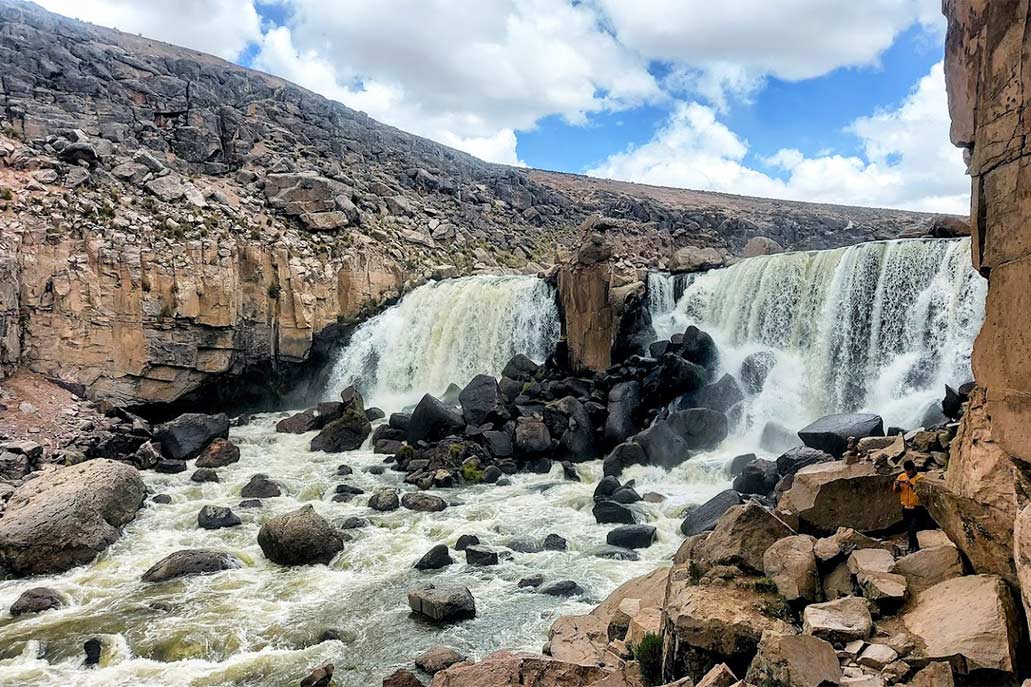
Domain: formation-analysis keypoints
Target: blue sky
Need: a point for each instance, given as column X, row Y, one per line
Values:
column 826, row 100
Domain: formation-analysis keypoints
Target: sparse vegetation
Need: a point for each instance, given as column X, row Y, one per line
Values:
column 274, row 291
column 648, row 653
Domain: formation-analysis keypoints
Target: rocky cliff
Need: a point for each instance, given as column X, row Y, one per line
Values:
column 985, row 501
column 169, row 221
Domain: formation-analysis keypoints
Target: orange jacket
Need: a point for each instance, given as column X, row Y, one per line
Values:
column 904, row 486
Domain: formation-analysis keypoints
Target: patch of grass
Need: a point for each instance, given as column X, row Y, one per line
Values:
column 765, row 585
column 6, row 193
column 274, row 291
column 648, row 653
column 472, row 474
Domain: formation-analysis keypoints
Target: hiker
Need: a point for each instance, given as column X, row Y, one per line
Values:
column 911, row 508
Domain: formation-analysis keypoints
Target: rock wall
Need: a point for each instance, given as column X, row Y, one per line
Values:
column 987, row 60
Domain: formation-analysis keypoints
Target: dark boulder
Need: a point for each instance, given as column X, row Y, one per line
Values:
column 218, row 454
column 300, row 537
column 703, row 518
column 701, row 428
column 793, row 460
column 616, row 553
column 432, row 420
column 755, row 368
column 480, row 555
column 400, row 421
column 531, row 581
column 374, row 414
column 465, row 541
column 626, row 494
column 260, row 487
column 609, row 512
column 170, row 467
column 607, row 486
column 498, row 443
column 831, row 432
column 444, row 603
column 721, row 396
column 554, row 542
column 402, row 678
column 699, row 348
column 631, row 536
column 186, row 436
column 522, row 545
column 623, row 456
column 190, row 562
column 320, row 677
column 531, row 437
column 202, row 475
column 436, row 558
column 624, row 400
column 349, row 430
column 299, row 423
column 520, row 368
column 562, row 588
column 482, row 401
column 568, row 421
column 492, row 474
column 672, row 377
column 451, row 394
column 662, row 446
column 423, row 503
column 737, row 465
column 777, row 438
column 758, row 477
column 36, row 600
column 385, row 500
column 216, row 517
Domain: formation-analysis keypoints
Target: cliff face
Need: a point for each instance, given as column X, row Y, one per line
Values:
column 170, row 221
column 988, row 58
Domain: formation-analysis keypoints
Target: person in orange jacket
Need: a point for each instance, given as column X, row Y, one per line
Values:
column 904, row 486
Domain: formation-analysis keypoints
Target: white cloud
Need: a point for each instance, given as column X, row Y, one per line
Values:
column 219, row 27
column 908, row 161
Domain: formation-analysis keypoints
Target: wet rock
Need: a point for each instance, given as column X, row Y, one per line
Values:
column 499, row 444
column 93, row 649
column 704, row 517
column 423, row 503
column 535, row 580
column 444, row 603
column 672, row 377
column 402, row 678
column 216, row 517
column 624, row 399
column 755, row 368
column 260, row 487
column 320, row 677
column 562, row 588
column 354, row 523
column 250, row 503
column 432, row 420
column 36, row 600
column 794, row 661
column 791, row 564
column 738, row 463
column 720, row 396
column 202, row 475
column 300, row 537
column 480, row 555
column 625, row 495
column 758, row 477
column 840, row 621
column 161, row 498
column 482, row 402
column 777, row 438
column 438, row 658
column 623, row 456
column 520, row 368
column 434, row 559
column 616, row 553
column 374, row 414
column 65, row 517
column 344, row 471
column 187, row 435
column 170, row 467
column 632, row 536
column 567, row 421
column 554, row 542
column 218, row 454
column 793, row 460
column 831, row 433
column 465, row 541
column 607, row 486
column 348, row 431
column 531, row 437
column 385, row 500
column 190, row 562
column 608, row 512
column 522, row 545
column 299, row 423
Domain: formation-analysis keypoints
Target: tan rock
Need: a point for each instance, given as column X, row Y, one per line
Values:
column 761, row 245
column 843, row 542
column 794, row 661
column 648, row 621
column 742, row 536
column 507, row 669
column 791, row 564
column 719, row 675
column 580, row 639
column 870, row 560
column 830, row 495
column 886, row 588
column 694, row 259
column 877, row 656
column 842, row 620
column 929, row 566
column 968, row 620
column 937, row 674
column 1022, row 555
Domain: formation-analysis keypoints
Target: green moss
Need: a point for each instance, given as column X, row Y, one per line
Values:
column 649, row 655
column 6, row 194
column 472, row 474
column 404, row 453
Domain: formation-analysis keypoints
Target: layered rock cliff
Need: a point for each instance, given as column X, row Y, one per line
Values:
column 985, row 501
column 170, row 221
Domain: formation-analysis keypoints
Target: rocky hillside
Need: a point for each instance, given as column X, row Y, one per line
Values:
column 168, row 219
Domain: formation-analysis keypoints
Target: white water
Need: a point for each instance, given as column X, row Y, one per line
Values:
column 878, row 326
column 447, row 332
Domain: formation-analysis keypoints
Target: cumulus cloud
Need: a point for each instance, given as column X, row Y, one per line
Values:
column 907, row 160
column 219, row 27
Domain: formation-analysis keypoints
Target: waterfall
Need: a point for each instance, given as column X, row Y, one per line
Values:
column 879, row 326
column 446, row 333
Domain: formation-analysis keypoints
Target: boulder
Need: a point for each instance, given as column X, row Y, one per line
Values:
column 567, row 420
column 348, row 430
column 202, row 475
column 843, row 542
column 839, row 621
column 758, row 477
column 703, row 518
column 938, row 674
column 695, row 259
column 260, row 487
column 480, row 555
column 721, row 396
column 719, row 676
column 190, row 562
column 794, row 661
column 321, row 676
column 581, row 639
column 66, row 516
column 186, row 436
column 699, row 348
column 777, row 438
column 827, row 496
column 968, row 621
column 385, row 500
column 631, row 536
column 531, row 437
column 216, row 517
column 624, row 399
column 554, row 542
column 742, row 536
column 704, row 625
column 562, row 588
column 482, row 401
column 608, row 511
column 218, row 454
column 436, row 558
column 622, row 456
column 444, row 603
column 831, row 432
column 36, row 600
column 505, row 669
column 755, row 368
column 299, row 423
column 465, row 541
column 300, row 537
column 423, row 503
column 929, row 566
column 761, row 245
column 432, row 420
column 701, row 428
column 520, row 368
column 791, row 564
column 672, row 377
column 793, row 460
column 402, row 678
column 437, row 658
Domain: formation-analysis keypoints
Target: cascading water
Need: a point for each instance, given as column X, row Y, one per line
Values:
column 445, row 333
column 878, row 326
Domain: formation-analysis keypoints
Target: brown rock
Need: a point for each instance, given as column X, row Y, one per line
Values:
column 929, row 566
column 402, row 678
column 794, row 661
column 438, row 658
column 842, row 620
column 791, row 564
column 968, row 620
column 320, row 677
column 581, row 639
column 719, row 676
column 583, row 288
column 936, row 674
column 827, row 496
column 742, row 536
column 219, row 453
column 506, row 669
